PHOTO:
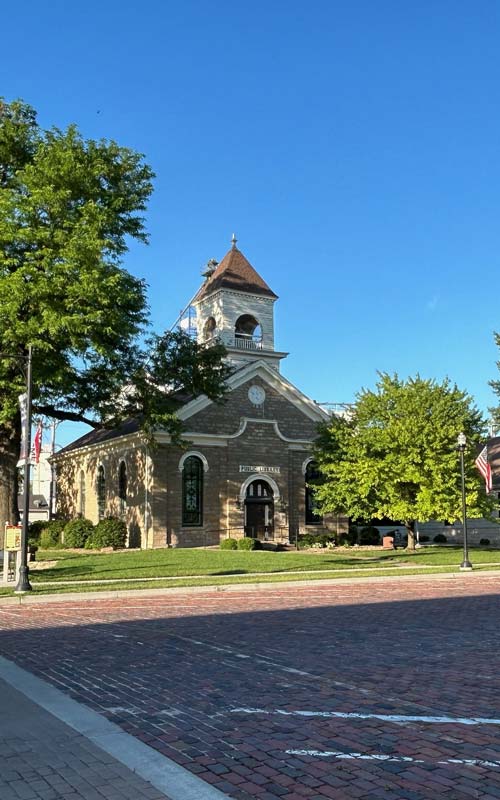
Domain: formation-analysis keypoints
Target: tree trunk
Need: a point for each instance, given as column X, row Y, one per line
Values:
column 410, row 530
column 9, row 456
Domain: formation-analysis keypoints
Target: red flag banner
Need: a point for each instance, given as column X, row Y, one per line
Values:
column 484, row 467
column 37, row 443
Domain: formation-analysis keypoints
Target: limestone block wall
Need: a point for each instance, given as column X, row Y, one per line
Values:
column 77, row 486
column 225, row 418
column 167, row 509
column 227, row 306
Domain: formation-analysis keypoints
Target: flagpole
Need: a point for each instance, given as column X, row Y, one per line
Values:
column 23, row 584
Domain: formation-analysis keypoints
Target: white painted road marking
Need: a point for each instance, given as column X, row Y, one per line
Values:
column 472, row 762
column 400, row 718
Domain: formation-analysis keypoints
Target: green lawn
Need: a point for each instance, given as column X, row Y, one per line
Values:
column 220, row 567
column 183, row 562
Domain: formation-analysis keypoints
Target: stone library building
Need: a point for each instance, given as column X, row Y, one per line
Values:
column 248, row 462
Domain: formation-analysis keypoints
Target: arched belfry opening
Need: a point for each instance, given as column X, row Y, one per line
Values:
column 259, row 510
column 209, row 329
column 248, row 332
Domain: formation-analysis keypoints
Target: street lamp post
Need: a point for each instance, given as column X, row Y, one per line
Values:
column 461, row 442
column 23, row 584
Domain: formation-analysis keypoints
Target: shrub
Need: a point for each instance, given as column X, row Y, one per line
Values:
column 247, row 543
column 423, row 539
column 229, row 544
column 484, row 542
column 351, row 536
column 324, row 539
column 51, row 535
column 440, row 538
column 369, row 536
column 77, row 531
column 109, row 532
column 35, row 529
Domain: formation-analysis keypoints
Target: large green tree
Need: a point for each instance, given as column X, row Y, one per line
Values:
column 69, row 208
column 396, row 455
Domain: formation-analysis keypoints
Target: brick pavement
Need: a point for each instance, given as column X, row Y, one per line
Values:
column 182, row 672
column 44, row 759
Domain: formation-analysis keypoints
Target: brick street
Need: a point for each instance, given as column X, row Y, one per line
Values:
column 236, row 686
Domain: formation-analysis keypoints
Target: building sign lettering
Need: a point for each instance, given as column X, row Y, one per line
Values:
column 249, row 468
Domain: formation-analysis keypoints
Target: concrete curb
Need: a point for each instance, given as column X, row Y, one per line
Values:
column 241, row 587
column 165, row 775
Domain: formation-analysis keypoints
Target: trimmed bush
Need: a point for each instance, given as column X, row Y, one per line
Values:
column 484, row 542
column 307, row 540
column 440, row 538
column 229, row 544
column 248, row 543
column 77, row 531
column 109, row 532
column 35, row 530
column 51, row 535
column 369, row 536
column 423, row 539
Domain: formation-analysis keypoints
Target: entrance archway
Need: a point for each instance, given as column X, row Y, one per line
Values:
column 259, row 510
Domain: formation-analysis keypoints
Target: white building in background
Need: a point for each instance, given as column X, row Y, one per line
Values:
column 40, row 480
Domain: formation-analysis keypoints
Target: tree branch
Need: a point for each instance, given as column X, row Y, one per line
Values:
column 70, row 416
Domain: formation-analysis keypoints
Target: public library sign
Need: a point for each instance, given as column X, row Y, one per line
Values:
column 249, row 468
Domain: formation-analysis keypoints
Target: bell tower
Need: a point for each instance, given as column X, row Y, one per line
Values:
column 236, row 305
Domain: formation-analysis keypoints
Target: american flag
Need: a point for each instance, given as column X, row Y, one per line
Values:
column 484, row 468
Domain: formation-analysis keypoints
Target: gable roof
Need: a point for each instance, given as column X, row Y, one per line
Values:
column 100, row 435
column 245, row 373
column 235, row 272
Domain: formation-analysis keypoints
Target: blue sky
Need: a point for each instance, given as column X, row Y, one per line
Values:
column 352, row 146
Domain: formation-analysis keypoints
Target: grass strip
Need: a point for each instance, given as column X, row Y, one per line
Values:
column 48, row 589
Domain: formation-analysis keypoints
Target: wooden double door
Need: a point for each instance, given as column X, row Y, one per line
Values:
column 259, row 511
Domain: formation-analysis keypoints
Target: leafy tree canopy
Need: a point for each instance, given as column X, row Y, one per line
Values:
column 396, row 454
column 68, row 210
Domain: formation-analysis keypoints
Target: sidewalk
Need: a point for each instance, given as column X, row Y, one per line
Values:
column 54, row 748
column 45, row 759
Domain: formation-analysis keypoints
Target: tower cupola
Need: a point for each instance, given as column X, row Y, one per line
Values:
column 236, row 305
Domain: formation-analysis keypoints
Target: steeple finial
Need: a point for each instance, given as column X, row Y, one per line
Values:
column 234, row 240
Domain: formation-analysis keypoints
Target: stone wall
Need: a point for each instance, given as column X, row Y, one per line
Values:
column 226, row 306
column 69, row 500
column 225, row 418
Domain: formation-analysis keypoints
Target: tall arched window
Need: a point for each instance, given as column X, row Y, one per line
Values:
column 101, row 492
column 82, row 494
column 122, row 487
column 312, row 476
column 192, row 491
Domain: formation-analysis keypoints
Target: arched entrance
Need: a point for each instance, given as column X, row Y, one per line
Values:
column 259, row 510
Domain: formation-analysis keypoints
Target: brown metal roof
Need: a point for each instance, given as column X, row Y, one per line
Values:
column 235, row 272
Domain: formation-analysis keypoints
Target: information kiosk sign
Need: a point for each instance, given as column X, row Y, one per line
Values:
column 12, row 538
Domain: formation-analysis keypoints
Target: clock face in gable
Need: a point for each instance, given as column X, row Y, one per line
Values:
column 256, row 395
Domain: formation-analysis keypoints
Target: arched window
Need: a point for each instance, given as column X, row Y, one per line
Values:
column 101, row 492
column 192, row 491
column 82, row 494
column 122, row 487
column 312, row 476
column 248, row 333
